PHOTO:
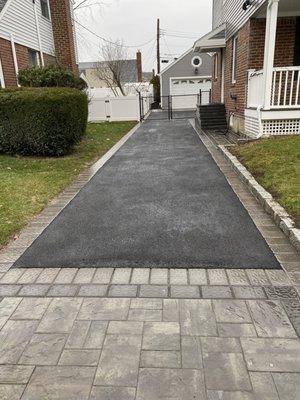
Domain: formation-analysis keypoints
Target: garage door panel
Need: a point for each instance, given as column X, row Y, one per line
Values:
column 185, row 91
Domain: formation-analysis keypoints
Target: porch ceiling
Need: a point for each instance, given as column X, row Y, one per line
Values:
column 286, row 8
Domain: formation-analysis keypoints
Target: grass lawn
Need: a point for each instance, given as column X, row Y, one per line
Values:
column 27, row 184
column 275, row 163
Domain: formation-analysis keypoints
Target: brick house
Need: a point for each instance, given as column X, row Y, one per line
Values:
column 256, row 71
column 35, row 32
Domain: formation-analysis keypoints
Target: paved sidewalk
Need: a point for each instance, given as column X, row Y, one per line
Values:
column 151, row 348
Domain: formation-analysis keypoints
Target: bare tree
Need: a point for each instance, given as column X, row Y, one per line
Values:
column 81, row 4
column 114, row 69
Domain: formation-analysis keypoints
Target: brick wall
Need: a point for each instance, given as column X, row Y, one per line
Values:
column 235, row 93
column 63, row 34
column 49, row 60
column 285, row 42
column 7, row 61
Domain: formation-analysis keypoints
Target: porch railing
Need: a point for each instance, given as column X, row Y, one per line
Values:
column 285, row 91
column 285, row 87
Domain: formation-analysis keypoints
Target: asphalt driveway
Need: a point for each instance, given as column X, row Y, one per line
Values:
column 160, row 201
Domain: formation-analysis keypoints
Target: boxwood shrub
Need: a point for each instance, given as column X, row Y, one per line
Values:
column 41, row 121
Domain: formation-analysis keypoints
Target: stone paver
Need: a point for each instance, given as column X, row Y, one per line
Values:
column 164, row 384
column 92, row 346
column 270, row 319
column 43, row 349
column 234, row 311
column 274, row 355
column 60, row 382
column 161, row 336
column 119, row 362
column 226, row 371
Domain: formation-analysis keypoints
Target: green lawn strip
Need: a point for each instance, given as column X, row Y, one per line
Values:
column 28, row 183
column 275, row 163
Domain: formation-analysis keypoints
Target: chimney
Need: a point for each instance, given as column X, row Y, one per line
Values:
column 139, row 66
column 64, row 33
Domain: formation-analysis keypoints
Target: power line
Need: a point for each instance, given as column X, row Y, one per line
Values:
column 109, row 41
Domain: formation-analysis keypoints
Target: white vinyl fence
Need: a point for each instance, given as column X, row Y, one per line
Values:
column 125, row 108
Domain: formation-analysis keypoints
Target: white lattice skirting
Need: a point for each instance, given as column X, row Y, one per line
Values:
column 281, row 127
column 252, row 126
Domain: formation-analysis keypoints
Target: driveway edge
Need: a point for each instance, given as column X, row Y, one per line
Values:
column 16, row 247
column 280, row 216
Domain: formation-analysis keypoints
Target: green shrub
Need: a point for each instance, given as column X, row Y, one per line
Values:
column 44, row 121
column 50, row 76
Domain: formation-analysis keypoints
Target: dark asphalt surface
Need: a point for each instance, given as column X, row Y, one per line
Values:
column 160, row 201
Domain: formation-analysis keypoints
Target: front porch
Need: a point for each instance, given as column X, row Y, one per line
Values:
column 281, row 114
column 272, row 98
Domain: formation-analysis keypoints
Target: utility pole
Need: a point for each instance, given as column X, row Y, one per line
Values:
column 158, row 46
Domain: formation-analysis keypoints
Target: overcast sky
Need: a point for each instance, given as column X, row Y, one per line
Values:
column 134, row 21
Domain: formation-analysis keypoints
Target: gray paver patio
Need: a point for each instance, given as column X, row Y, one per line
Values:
column 147, row 348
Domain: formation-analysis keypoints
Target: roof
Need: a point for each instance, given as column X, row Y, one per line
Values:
column 2, row 4
column 129, row 74
column 176, row 61
column 213, row 40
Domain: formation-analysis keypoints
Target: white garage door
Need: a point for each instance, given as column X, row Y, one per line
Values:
column 185, row 91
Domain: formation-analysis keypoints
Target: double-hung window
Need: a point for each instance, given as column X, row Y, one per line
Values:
column 45, row 9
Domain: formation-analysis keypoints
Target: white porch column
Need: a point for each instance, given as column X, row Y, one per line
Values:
column 270, row 41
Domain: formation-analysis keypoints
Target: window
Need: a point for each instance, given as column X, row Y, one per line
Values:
column 216, row 62
column 45, row 9
column 33, row 58
column 234, row 58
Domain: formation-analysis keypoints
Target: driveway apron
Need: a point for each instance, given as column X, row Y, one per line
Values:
column 160, row 201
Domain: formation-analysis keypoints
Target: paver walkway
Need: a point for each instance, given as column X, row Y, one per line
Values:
column 161, row 201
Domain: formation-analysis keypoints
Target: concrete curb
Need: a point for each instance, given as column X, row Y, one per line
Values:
column 282, row 219
column 16, row 247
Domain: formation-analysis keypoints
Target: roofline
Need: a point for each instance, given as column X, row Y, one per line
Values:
column 7, row 4
column 215, row 30
column 175, row 61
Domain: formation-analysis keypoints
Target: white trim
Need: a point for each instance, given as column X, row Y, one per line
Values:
column 222, row 55
column 216, row 66
column 206, row 43
column 4, row 9
column 175, row 61
column 2, row 81
column 38, row 31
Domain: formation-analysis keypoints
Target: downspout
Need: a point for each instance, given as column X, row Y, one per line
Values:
column 2, row 81
column 38, row 32
column 14, row 53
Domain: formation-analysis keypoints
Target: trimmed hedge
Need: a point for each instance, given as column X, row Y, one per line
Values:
column 41, row 121
column 50, row 76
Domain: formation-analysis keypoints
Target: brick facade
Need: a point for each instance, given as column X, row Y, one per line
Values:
column 63, row 34
column 7, row 62
column 250, row 55
column 63, row 39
